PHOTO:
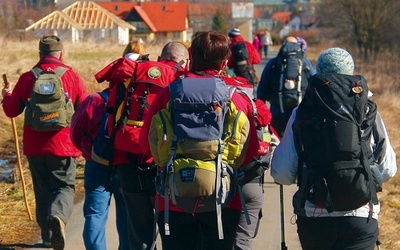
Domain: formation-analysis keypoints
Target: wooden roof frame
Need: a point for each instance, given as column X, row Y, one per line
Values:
column 55, row 20
column 81, row 15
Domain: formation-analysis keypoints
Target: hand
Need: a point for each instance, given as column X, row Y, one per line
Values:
column 5, row 90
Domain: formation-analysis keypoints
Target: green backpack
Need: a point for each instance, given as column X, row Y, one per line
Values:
column 49, row 108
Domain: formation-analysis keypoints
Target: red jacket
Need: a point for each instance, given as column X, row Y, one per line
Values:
column 254, row 56
column 86, row 123
column 56, row 143
column 240, row 102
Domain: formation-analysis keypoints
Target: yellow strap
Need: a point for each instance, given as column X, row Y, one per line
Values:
column 135, row 123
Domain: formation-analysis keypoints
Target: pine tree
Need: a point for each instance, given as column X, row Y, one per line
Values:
column 219, row 23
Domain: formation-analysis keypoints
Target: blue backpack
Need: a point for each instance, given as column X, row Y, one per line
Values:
column 101, row 149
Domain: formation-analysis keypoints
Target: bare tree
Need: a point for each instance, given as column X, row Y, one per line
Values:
column 363, row 23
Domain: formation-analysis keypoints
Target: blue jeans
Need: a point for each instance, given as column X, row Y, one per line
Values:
column 101, row 182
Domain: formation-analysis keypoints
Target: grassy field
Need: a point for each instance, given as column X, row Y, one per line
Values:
column 88, row 58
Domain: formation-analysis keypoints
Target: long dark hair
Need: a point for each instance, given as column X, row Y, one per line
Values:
column 208, row 50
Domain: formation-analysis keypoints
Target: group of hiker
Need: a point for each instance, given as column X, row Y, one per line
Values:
column 183, row 146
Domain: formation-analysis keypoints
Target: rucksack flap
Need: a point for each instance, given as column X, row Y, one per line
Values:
column 101, row 147
column 197, row 112
column 49, row 108
column 333, row 131
column 131, row 101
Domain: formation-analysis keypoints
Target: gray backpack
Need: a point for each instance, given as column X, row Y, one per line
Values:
column 49, row 107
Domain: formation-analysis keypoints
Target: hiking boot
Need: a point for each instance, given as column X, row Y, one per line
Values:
column 57, row 227
column 46, row 244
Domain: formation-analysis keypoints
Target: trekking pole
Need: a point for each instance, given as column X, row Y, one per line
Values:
column 378, row 244
column 6, row 85
column 283, row 243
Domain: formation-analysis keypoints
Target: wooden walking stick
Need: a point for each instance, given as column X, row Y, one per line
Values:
column 6, row 84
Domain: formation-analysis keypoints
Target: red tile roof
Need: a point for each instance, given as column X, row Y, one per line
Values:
column 120, row 9
column 167, row 16
column 283, row 17
column 159, row 16
column 145, row 18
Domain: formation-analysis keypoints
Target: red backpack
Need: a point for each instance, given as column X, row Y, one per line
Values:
column 134, row 85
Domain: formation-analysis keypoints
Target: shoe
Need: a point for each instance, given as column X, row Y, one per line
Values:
column 57, row 227
column 46, row 244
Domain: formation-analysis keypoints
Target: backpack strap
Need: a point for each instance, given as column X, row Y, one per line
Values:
column 36, row 71
column 367, row 167
column 219, row 199
column 104, row 94
column 168, row 172
column 178, row 65
column 60, row 71
column 299, row 93
column 280, row 93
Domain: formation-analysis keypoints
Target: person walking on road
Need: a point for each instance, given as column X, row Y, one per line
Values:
column 254, row 171
column 209, row 54
column 266, row 41
column 284, row 81
column 136, row 170
column 337, row 149
column 101, row 181
column 50, row 152
column 243, row 57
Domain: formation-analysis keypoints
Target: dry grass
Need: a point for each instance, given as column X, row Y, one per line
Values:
column 87, row 59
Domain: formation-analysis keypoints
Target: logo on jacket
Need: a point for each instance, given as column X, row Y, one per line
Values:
column 154, row 72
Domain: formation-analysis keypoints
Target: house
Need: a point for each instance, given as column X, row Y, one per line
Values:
column 154, row 21
column 83, row 21
column 283, row 17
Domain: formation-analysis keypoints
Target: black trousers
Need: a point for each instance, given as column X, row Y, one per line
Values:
column 138, row 191
column 337, row 233
column 200, row 231
column 53, row 180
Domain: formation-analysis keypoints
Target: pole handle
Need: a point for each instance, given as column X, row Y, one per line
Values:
column 6, row 84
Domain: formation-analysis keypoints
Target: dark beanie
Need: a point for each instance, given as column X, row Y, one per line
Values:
column 50, row 43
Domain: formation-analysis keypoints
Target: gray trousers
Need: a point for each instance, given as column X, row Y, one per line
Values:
column 254, row 199
column 53, row 180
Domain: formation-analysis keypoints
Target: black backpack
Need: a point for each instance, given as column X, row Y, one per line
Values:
column 332, row 132
column 242, row 65
column 290, row 77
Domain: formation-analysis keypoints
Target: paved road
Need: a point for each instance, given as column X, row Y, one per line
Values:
column 269, row 236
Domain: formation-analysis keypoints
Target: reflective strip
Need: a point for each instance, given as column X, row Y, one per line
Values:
column 135, row 123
